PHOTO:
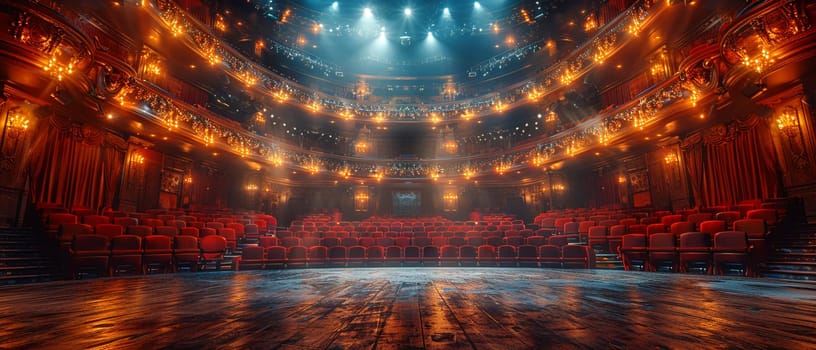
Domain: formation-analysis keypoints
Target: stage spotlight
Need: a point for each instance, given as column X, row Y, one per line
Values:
column 367, row 12
column 430, row 35
column 446, row 12
column 335, row 6
column 477, row 5
column 407, row 12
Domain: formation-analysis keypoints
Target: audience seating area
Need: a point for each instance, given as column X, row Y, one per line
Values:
column 714, row 240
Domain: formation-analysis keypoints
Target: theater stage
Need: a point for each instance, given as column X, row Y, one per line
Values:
column 411, row 308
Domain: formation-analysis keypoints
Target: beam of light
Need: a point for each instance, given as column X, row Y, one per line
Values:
column 477, row 5
column 367, row 13
column 407, row 12
column 446, row 13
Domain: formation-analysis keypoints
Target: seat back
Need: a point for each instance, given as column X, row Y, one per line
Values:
column 171, row 231
column 94, row 220
column 571, row 228
column 728, row 216
column 267, row 241
column 770, row 216
column 213, row 246
column 125, row 221
column 695, row 240
column 681, row 227
column 712, row 226
column 663, row 240
column 68, row 231
column 375, row 252
column 189, row 231
column 633, row 241
column 110, row 230
column 668, row 220
column 91, row 243
column 697, row 218
column 730, row 241
column 156, row 243
column 655, row 228
column 755, row 228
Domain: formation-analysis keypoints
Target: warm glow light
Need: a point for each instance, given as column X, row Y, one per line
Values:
column 58, row 69
column 760, row 62
column 17, row 124
column 450, row 147
column 137, row 158
column 281, row 96
column 361, row 147
column 788, row 122
column 670, row 158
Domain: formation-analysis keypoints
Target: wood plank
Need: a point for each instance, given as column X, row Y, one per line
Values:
column 418, row 308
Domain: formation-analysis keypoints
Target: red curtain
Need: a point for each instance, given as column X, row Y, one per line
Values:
column 77, row 166
column 733, row 162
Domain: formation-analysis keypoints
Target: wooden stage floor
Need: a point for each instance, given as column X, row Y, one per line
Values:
column 410, row 308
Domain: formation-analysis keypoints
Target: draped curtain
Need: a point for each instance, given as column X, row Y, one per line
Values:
column 730, row 163
column 76, row 166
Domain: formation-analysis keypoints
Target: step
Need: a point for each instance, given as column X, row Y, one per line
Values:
column 795, row 255
column 793, row 266
column 20, row 238
column 790, row 275
column 5, row 270
column 24, row 279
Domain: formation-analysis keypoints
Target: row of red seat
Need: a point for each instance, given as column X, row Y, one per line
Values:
column 485, row 255
column 416, row 241
column 105, row 255
column 714, row 254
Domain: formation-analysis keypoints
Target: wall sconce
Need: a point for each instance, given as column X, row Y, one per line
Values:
column 450, row 201
column 621, row 179
column 361, row 200
column 135, row 171
column 450, row 147
column 788, row 122
column 361, row 147
column 137, row 158
column 559, row 188
column 14, row 130
column 671, row 158
column 252, row 187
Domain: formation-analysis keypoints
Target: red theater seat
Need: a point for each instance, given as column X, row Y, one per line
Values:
column 90, row 253
column 633, row 251
column 527, row 255
column 213, row 249
column 549, row 256
column 575, row 256
column 126, row 254
column 731, row 251
column 662, row 252
column 337, row 256
column 694, row 252
column 357, row 256
column 486, row 255
column 158, row 253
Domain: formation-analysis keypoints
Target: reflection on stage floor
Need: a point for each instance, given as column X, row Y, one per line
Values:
column 405, row 308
